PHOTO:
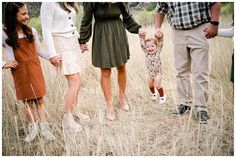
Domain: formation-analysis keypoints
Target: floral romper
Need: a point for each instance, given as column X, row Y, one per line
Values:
column 153, row 61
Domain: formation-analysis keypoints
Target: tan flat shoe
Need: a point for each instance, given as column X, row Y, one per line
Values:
column 111, row 115
column 124, row 106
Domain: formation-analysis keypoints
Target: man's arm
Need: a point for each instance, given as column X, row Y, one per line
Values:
column 158, row 23
column 159, row 20
column 212, row 28
column 215, row 11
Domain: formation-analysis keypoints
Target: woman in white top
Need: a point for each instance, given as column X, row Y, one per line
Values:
column 229, row 33
column 60, row 37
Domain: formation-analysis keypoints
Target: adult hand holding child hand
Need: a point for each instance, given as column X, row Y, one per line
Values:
column 142, row 33
column 56, row 60
column 10, row 64
column 84, row 47
column 159, row 34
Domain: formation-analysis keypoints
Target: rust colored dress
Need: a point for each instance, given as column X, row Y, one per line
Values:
column 28, row 76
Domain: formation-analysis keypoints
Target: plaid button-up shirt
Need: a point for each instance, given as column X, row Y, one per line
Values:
column 185, row 15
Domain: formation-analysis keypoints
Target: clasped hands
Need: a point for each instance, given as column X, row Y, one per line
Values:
column 158, row 35
column 56, row 61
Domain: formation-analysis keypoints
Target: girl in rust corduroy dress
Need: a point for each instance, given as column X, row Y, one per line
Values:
column 22, row 41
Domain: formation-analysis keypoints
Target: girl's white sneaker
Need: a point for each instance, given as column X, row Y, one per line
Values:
column 163, row 99
column 46, row 131
column 154, row 97
column 33, row 132
column 81, row 116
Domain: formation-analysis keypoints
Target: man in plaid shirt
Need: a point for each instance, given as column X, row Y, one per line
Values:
column 193, row 23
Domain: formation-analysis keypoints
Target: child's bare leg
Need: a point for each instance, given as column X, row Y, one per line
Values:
column 29, row 110
column 44, row 126
column 151, row 85
column 41, row 111
column 158, row 85
column 30, row 115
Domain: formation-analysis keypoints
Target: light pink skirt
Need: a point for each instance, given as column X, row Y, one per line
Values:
column 72, row 58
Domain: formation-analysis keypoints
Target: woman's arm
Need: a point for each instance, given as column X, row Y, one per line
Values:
column 86, row 23
column 226, row 32
column 130, row 24
column 46, row 16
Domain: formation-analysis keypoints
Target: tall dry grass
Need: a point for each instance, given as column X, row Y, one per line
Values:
column 148, row 129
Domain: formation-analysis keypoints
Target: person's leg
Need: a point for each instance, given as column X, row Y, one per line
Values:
column 151, row 85
column 29, row 110
column 183, row 68
column 70, row 100
column 74, row 84
column 152, row 88
column 76, row 109
column 44, row 126
column 122, row 78
column 30, row 115
column 232, row 69
column 200, row 71
column 106, row 88
column 159, row 88
column 41, row 111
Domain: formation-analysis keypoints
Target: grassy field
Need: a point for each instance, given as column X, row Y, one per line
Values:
column 148, row 128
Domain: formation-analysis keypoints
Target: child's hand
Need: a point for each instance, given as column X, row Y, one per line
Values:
column 142, row 33
column 10, row 64
column 159, row 35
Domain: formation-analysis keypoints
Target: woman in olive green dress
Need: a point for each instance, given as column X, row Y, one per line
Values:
column 110, row 45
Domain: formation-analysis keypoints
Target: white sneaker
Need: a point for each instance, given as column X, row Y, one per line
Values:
column 46, row 132
column 154, row 97
column 69, row 123
column 163, row 99
column 81, row 116
column 33, row 131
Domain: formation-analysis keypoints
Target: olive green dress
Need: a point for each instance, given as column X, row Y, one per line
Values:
column 110, row 44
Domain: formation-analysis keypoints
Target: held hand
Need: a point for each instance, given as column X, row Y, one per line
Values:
column 56, row 61
column 159, row 34
column 142, row 33
column 10, row 64
column 210, row 31
column 84, row 47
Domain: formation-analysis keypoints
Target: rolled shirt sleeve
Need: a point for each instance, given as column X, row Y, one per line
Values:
column 162, row 7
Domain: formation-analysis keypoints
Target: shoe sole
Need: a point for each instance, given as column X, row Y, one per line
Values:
column 82, row 120
column 202, row 122
column 178, row 114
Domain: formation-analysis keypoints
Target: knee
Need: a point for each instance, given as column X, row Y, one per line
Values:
column 183, row 73
column 74, row 81
column 158, row 81
column 151, row 82
column 39, row 102
column 105, row 73
column 121, row 70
